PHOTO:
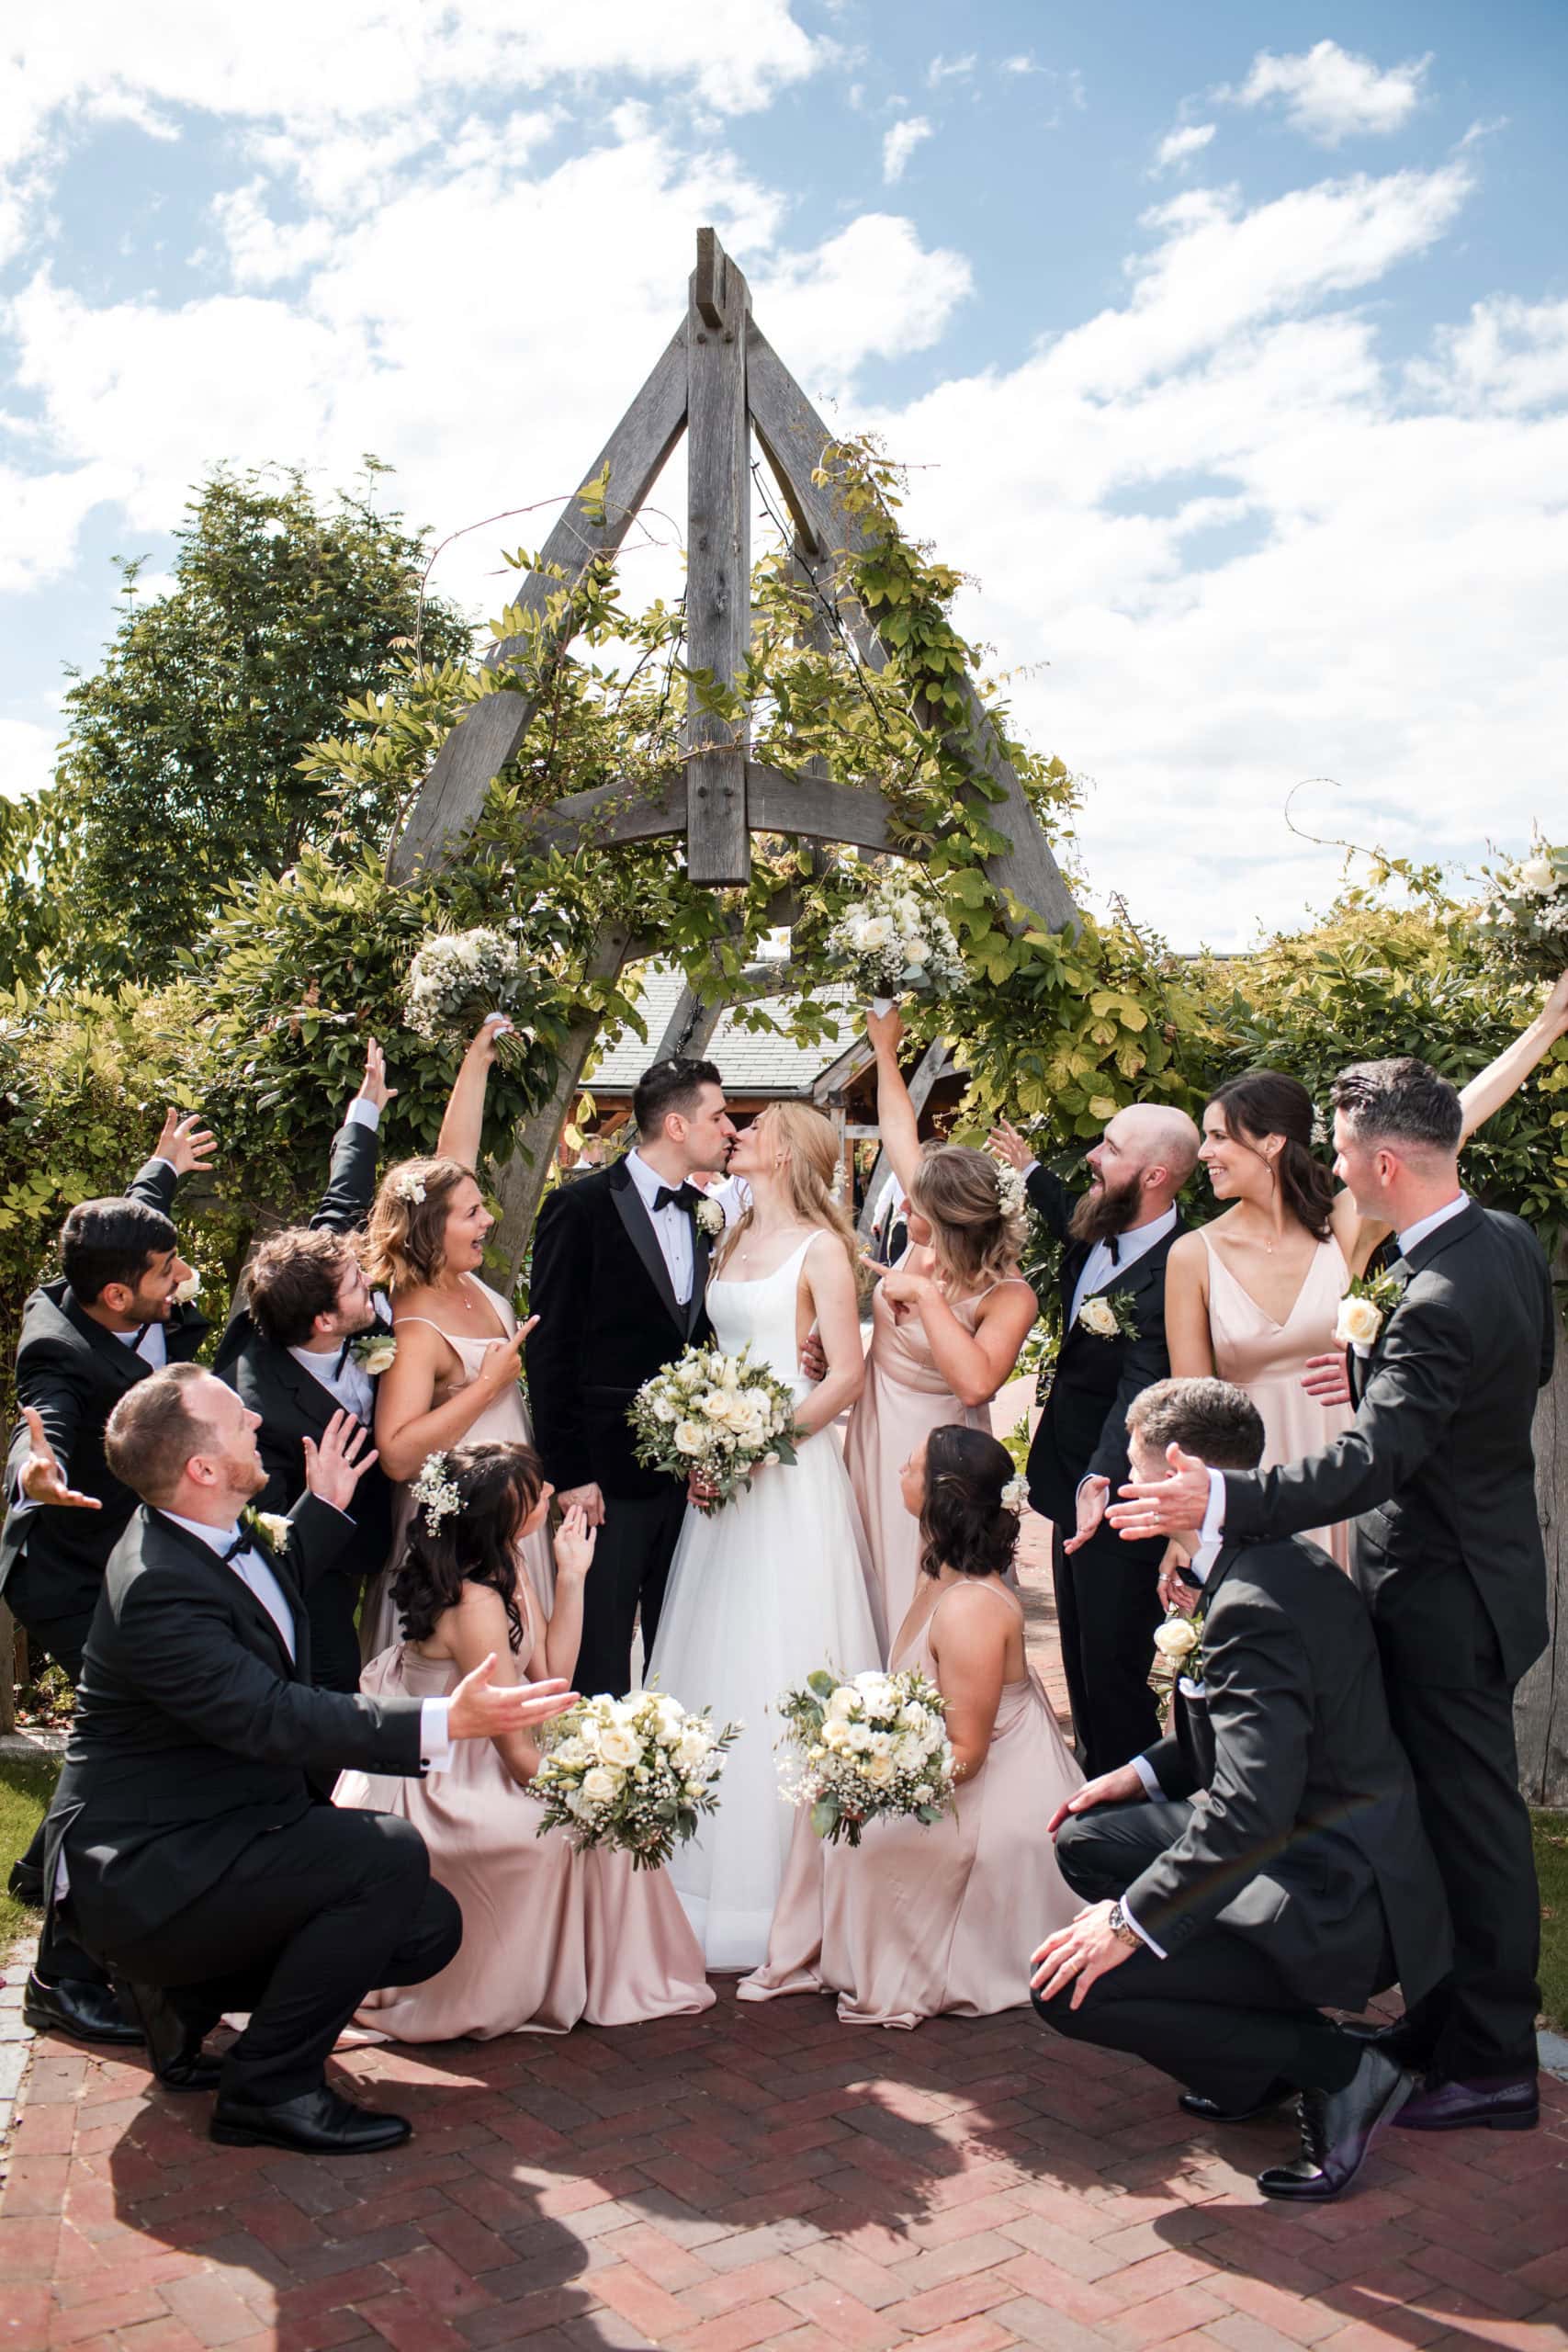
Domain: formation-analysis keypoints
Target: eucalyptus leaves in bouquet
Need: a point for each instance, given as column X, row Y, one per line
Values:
column 1523, row 915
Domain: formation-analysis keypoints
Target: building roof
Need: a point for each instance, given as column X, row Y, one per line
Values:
column 752, row 1061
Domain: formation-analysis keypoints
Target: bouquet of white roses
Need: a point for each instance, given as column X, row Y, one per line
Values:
column 876, row 1744
column 457, row 977
column 1523, row 914
column 633, row 1774
column 717, row 1415
column 896, row 942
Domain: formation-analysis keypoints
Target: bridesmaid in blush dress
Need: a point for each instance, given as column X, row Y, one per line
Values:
column 920, row 1922
column 551, row 1937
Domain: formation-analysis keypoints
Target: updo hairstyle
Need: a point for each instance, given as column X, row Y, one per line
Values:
column 976, row 1239
column 964, row 1524
column 404, row 1240
column 1267, row 1102
column 499, row 1484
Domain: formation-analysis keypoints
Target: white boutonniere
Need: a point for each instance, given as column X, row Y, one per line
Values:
column 375, row 1351
column 189, row 1290
column 1179, row 1654
column 270, row 1529
column 710, row 1218
column 1364, row 1310
column 1015, row 1495
column 1109, row 1317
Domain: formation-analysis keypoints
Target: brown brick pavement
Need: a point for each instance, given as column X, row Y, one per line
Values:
column 761, row 2177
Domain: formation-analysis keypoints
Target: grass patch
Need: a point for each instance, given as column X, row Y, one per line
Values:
column 26, row 1786
column 1552, row 1866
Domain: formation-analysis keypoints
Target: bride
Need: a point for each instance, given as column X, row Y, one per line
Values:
column 779, row 1581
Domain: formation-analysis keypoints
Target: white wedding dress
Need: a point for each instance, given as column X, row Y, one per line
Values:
column 761, row 1593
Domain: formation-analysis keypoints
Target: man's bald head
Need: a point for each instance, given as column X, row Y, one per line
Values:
column 1161, row 1140
column 1139, row 1165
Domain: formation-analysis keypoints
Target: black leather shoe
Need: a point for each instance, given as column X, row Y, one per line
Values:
column 317, row 2123
column 173, row 2041
column 1395, row 2040
column 1209, row 2110
column 1487, row 2107
column 1338, row 2131
column 77, row 2007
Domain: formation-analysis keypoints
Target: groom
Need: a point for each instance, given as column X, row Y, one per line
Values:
column 620, row 1268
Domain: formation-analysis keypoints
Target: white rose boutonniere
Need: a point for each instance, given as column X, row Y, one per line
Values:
column 375, row 1352
column 1364, row 1310
column 189, row 1290
column 270, row 1529
column 1176, row 1639
column 710, row 1218
column 1109, row 1316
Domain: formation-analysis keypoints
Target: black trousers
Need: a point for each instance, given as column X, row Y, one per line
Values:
column 1108, row 1605
column 304, row 1924
column 63, row 1638
column 1217, row 2015
column 631, row 1568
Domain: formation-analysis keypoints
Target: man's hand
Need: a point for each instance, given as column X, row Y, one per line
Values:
column 1328, row 1377
column 574, row 1543
column 1078, row 1954
column 1167, row 1507
column 1123, row 1786
column 41, row 1479
column 482, row 1710
column 1093, row 1495
column 185, row 1143
column 333, row 1468
column 373, row 1086
column 1005, row 1139
column 589, row 1501
column 814, row 1355
column 1175, row 1592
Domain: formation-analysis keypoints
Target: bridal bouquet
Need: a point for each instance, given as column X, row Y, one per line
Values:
column 874, row 1744
column 457, row 977
column 632, row 1774
column 896, row 942
column 1523, row 914
column 717, row 1415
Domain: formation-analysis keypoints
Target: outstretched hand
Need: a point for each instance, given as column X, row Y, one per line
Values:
column 1166, row 1505
column 373, row 1086
column 885, row 1030
column 185, row 1143
column 482, row 1710
column 333, row 1468
column 1005, row 1139
column 1093, row 1497
column 575, row 1541
column 41, row 1479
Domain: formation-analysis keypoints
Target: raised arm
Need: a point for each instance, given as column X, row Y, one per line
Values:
column 895, row 1117
column 463, row 1125
column 351, row 1175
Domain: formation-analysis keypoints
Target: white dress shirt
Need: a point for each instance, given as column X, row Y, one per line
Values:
column 353, row 1387
column 672, row 1227
column 1100, row 1267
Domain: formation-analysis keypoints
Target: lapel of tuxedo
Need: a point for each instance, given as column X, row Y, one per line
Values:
column 253, row 1609
column 122, row 1364
column 316, row 1405
column 645, row 1241
column 702, row 1258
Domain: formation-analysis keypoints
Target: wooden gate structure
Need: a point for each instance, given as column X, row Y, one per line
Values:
column 718, row 380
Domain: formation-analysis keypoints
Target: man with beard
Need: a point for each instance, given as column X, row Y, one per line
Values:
column 1116, row 1238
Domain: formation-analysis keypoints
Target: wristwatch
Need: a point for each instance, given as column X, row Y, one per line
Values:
column 1122, row 1927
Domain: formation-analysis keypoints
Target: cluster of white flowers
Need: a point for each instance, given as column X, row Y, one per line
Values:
column 634, row 1774
column 435, row 1494
column 406, row 1184
column 896, row 942
column 1015, row 1495
column 718, row 1415
column 375, row 1351
column 189, row 1289
column 1011, row 1190
column 1523, row 913
column 874, row 1744
column 456, row 977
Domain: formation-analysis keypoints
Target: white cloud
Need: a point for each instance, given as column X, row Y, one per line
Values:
column 900, row 144
column 27, row 757
column 1330, row 93
column 949, row 69
column 873, row 288
column 1179, row 146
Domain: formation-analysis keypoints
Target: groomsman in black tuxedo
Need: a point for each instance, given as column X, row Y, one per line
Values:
column 1116, row 1237
column 1438, row 1474
column 620, row 1269
column 1266, row 1858
column 308, row 1341
column 186, row 1846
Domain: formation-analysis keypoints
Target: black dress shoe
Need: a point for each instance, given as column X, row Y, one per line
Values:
column 317, row 2123
column 1395, row 2040
column 174, row 2040
column 77, row 2007
column 1338, row 2131
column 1209, row 2110
column 1513, row 2106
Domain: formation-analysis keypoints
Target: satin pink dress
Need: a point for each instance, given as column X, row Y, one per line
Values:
column 905, row 1398
column 1267, row 1359
column 940, row 1921
column 551, row 1938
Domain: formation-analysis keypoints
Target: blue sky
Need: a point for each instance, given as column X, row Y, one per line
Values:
column 1230, row 345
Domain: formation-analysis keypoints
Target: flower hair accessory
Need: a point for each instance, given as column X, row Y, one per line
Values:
column 406, row 1184
column 1015, row 1495
column 1011, row 1191
column 435, row 1495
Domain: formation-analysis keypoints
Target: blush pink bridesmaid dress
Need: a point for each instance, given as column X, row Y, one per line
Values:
column 919, row 1922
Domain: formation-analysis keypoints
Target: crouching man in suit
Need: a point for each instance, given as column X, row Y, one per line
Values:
column 186, row 1849
column 1265, row 1856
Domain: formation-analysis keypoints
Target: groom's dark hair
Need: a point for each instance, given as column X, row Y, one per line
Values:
column 672, row 1085
column 112, row 1241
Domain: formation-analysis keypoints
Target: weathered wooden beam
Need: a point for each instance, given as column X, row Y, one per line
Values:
column 794, row 440
column 719, row 563
column 815, row 808
column 610, row 812
column 486, row 737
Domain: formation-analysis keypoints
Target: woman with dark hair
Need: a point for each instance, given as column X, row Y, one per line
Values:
column 551, row 1937
column 1254, row 1298
column 919, row 1922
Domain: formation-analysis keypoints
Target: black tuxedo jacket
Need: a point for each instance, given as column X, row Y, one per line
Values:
column 608, row 1321
column 1437, row 1469
column 1305, row 1834
column 194, row 1731
column 1083, row 1429
column 73, row 1373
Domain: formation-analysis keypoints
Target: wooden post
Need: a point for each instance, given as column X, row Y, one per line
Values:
column 718, row 562
column 1541, row 1710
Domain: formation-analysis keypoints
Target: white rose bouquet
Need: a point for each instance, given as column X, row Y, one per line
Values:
column 716, row 1415
column 896, row 942
column 874, row 1744
column 633, row 1774
column 1523, row 913
column 457, row 977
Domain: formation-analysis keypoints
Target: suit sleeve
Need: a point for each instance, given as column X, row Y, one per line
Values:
column 1417, row 1388
column 1144, row 1361
column 351, row 1179
column 154, row 1185
column 558, row 1295
column 1169, row 1768
column 1050, row 1199
column 1259, row 1693
column 322, row 1533
column 48, row 1382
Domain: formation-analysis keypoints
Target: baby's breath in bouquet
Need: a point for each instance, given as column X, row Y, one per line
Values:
column 1523, row 913
column 634, row 1774
column 874, row 1744
column 896, row 942
column 459, row 976
column 717, row 1415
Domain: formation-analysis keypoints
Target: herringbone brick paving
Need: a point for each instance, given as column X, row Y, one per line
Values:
column 761, row 2177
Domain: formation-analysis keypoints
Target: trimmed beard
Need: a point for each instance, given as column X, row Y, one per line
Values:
column 1100, row 1212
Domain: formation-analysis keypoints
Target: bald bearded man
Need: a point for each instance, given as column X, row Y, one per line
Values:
column 1116, row 1238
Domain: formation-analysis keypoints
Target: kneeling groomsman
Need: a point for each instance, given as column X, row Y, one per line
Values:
column 1266, row 1858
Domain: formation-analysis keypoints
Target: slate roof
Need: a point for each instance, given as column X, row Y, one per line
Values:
column 752, row 1062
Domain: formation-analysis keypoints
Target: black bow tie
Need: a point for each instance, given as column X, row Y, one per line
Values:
column 242, row 1544
column 140, row 1334
column 342, row 1358
column 684, row 1196
column 1115, row 1249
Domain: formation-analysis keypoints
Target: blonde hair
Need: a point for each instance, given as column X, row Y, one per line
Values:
column 810, row 1150
column 405, row 1240
column 976, row 1239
